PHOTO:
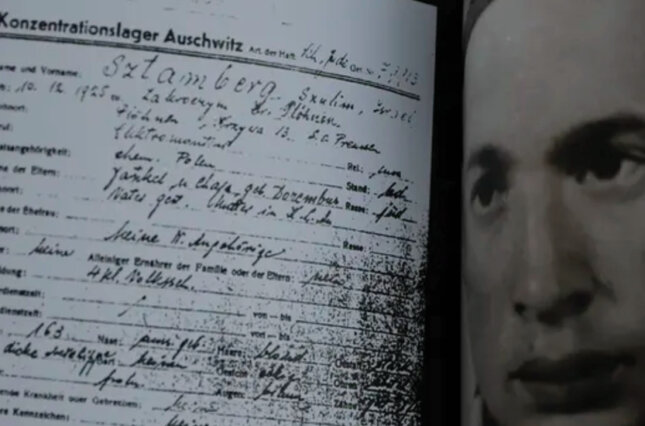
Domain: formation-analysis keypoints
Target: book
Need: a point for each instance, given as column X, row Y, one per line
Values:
column 214, row 212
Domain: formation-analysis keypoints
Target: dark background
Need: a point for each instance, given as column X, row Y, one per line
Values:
column 442, row 361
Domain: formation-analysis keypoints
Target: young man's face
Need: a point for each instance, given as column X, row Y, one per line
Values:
column 554, row 211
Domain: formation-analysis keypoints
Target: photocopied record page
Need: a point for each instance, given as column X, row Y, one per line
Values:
column 214, row 212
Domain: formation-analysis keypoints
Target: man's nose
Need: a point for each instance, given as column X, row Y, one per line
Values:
column 553, row 281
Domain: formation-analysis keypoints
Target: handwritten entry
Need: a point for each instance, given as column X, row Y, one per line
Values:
column 213, row 213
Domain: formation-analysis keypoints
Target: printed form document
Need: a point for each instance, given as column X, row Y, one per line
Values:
column 214, row 212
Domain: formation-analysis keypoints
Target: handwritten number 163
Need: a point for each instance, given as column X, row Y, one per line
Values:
column 53, row 330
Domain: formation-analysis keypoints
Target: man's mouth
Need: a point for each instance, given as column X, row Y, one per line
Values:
column 581, row 382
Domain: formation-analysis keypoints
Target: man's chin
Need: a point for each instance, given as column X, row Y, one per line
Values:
column 617, row 416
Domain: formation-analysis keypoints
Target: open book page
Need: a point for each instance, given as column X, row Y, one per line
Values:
column 213, row 213
column 553, row 211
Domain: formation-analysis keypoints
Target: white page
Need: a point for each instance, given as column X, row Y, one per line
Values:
column 220, row 234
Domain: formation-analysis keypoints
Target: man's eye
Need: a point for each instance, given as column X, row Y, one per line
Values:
column 609, row 169
column 601, row 164
column 488, row 194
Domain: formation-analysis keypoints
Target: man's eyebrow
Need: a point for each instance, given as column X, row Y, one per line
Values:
column 490, row 157
column 592, row 138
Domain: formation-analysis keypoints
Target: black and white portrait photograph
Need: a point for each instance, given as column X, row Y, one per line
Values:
column 553, row 211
